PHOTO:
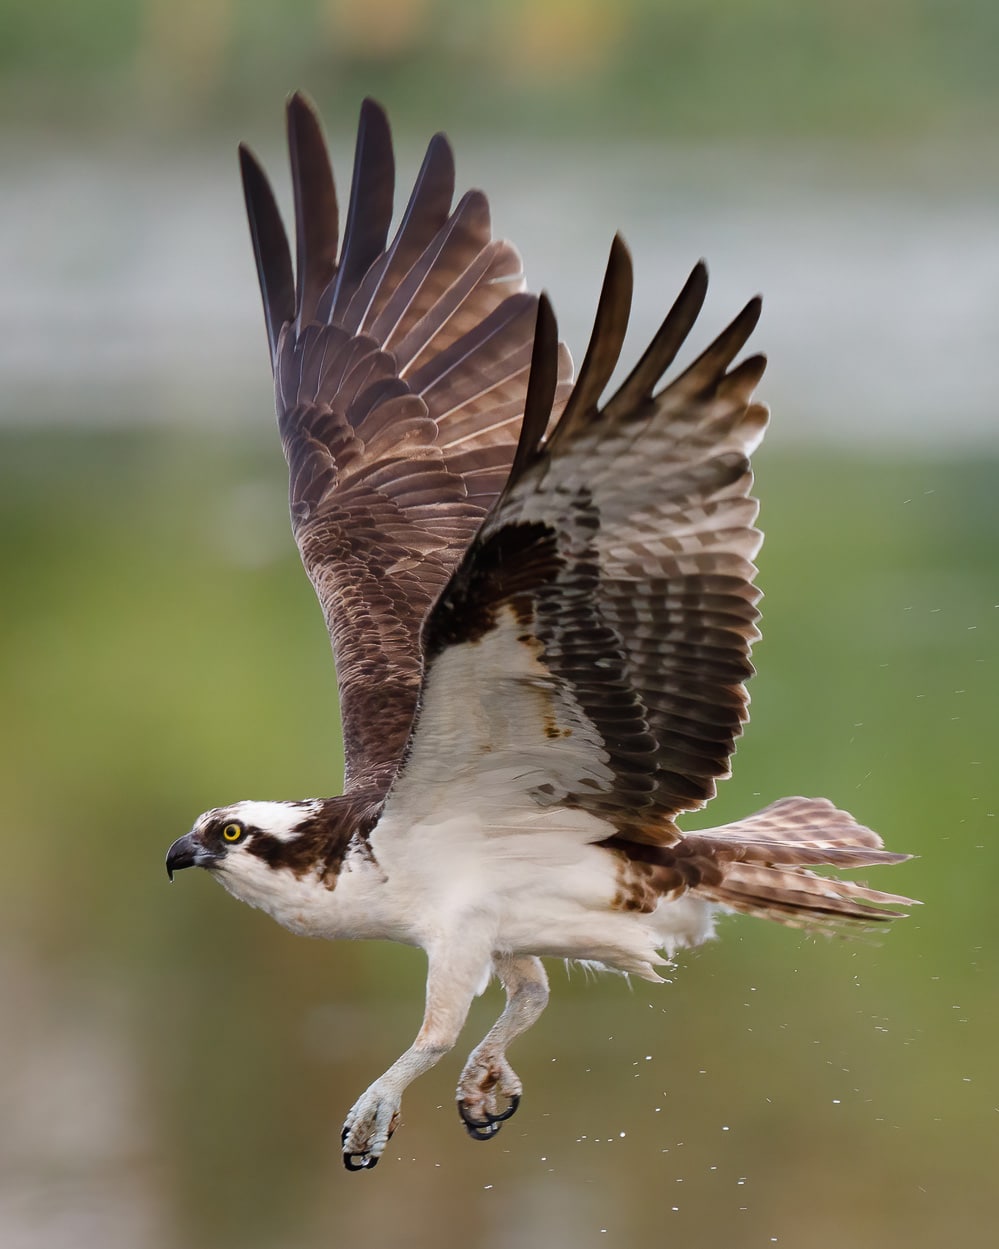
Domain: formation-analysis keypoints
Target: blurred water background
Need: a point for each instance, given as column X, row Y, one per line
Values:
column 174, row 1068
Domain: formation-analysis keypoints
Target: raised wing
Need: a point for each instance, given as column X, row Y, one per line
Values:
column 591, row 648
column 401, row 372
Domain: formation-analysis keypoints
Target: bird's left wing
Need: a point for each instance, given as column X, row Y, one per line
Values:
column 590, row 650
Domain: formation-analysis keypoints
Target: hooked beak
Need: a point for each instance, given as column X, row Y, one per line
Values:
column 186, row 851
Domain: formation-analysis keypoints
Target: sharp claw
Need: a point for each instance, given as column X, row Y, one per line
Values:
column 482, row 1134
column 361, row 1140
column 367, row 1162
column 466, row 1116
column 478, row 1129
column 510, row 1111
column 485, row 1129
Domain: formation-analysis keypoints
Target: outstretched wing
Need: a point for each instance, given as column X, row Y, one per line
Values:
column 401, row 372
column 590, row 650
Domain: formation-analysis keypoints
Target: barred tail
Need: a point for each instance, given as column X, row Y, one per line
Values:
column 763, row 864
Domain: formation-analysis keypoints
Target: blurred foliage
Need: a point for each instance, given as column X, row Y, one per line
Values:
column 915, row 68
column 161, row 652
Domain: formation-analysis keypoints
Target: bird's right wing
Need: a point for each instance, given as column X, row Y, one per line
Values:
column 401, row 372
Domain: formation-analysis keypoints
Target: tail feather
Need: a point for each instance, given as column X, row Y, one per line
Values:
column 763, row 864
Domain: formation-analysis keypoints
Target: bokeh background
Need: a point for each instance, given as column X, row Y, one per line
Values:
column 173, row 1067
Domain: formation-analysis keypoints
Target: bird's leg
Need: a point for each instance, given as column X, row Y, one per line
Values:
column 489, row 1089
column 454, row 975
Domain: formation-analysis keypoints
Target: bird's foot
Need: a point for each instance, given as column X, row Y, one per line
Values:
column 366, row 1131
column 489, row 1093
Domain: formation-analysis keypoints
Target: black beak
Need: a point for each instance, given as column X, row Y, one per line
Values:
column 184, row 852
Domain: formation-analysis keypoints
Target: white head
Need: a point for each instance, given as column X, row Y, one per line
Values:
column 257, row 850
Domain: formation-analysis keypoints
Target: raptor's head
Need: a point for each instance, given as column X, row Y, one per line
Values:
column 243, row 844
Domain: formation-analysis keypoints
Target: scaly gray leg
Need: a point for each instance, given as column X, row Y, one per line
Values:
column 455, row 973
column 489, row 1089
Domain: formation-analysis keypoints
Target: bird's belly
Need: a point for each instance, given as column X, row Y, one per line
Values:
column 550, row 890
column 571, row 920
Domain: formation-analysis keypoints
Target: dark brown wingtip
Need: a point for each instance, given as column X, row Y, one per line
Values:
column 317, row 225
column 438, row 161
column 708, row 371
column 301, row 100
column 433, row 191
column 743, row 379
column 604, row 349
column 697, row 282
column 441, row 140
column 736, row 334
column 541, row 385
column 270, row 247
column 619, row 276
column 610, row 324
column 372, row 111
column 372, row 190
column 669, row 338
column 302, row 118
column 753, row 310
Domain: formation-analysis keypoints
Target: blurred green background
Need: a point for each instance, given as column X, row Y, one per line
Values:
column 174, row 1068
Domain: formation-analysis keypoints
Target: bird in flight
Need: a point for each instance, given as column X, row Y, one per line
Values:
column 541, row 608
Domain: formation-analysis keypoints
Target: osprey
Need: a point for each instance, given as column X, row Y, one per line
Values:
column 541, row 609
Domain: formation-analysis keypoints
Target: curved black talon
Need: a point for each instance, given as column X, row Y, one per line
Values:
column 486, row 1129
column 367, row 1163
column 480, row 1131
column 510, row 1111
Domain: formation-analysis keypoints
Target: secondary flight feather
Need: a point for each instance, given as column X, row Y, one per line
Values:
column 541, row 608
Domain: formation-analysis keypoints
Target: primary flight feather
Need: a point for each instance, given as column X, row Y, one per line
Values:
column 541, row 609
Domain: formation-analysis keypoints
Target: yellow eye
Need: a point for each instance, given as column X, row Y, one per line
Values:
column 232, row 832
